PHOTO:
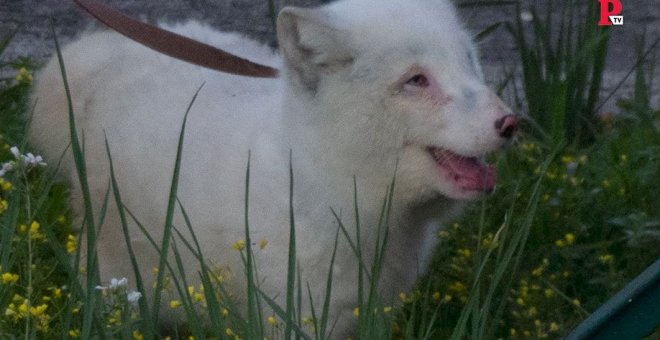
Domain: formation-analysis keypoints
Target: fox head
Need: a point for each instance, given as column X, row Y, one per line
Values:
column 396, row 79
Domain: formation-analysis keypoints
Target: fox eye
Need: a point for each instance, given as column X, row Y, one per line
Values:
column 418, row 80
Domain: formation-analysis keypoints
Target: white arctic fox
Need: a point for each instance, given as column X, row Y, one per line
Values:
column 367, row 85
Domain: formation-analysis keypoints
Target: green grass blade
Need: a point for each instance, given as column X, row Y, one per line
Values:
column 92, row 296
column 618, row 86
column 358, row 253
column 328, row 292
column 487, row 31
column 255, row 326
column 281, row 313
column 313, row 311
column 344, row 231
column 171, row 204
column 147, row 330
column 186, row 298
column 4, row 42
column 212, row 302
column 508, row 265
column 291, row 266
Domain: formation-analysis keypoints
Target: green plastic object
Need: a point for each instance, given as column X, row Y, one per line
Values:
column 633, row 313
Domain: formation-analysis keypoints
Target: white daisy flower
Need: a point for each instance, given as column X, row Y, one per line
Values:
column 118, row 283
column 14, row 151
column 133, row 297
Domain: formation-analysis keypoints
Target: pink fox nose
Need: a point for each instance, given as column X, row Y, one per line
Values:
column 507, row 126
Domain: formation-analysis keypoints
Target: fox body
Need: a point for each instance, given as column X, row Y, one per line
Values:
column 370, row 91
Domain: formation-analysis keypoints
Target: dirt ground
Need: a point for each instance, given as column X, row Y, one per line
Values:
column 32, row 20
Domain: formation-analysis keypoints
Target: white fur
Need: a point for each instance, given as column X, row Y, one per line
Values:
column 341, row 107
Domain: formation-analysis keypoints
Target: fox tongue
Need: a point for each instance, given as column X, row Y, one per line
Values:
column 469, row 172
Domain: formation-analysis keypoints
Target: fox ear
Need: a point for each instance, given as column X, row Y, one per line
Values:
column 311, row 45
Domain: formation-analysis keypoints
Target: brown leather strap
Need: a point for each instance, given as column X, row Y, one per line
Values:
column 174, row 45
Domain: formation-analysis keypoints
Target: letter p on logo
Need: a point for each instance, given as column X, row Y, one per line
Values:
column 605, row 12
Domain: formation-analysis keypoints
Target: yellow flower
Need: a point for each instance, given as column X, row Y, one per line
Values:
column 229, row 332
column 3, row 206
column 137, row 335
column 512, row 332
column 528, row 146
column 225, row 312
column 546, row 197
column 465, row 252
column 436, row 296
column 575, row 181
column 605, row 184
column 356, row 311
column 549, row 293
column 447, row 298
column 538, row 271
column 560, row 243
column 262, row 244
column 175, row 304
column 11, row 312
column 57, row 292
column 570, row 238
column 61, row 219
column 74, row 333
column 489, row 242
column 239, row 245
column 606, row 258
column 387, row 309
column 34, row 231
column 71, row 244
column 9, row 278
column 520, row 301
column 403, row 297
column 576, row 302
column 115, row 317
column 554, row 327
column 524, row 292
column 38, row 310
column 457, row 287
column 4, row 185
column 309, row 321
column 24, row 76
column 271, row 321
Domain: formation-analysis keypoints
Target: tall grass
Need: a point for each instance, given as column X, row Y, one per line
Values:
column 562, row 68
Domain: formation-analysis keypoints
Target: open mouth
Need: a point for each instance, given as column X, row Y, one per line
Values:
column 469, row 173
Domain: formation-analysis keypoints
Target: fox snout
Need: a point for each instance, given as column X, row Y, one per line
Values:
column 507, row 126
